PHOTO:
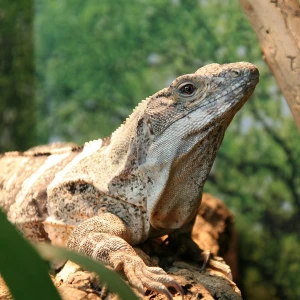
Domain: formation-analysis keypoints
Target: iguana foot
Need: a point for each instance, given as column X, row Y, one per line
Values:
column 188, row 248
column 106, row 239
column 142, row 276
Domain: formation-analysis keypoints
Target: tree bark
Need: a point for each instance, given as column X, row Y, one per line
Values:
column 277, row 26
column 17, row 108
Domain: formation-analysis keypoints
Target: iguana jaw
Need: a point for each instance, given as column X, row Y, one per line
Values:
column 182, row 154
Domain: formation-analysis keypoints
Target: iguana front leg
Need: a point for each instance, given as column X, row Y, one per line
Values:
column 106, row 238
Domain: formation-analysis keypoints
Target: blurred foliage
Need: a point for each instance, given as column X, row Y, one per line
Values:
column 17, row 107
column 95, row 60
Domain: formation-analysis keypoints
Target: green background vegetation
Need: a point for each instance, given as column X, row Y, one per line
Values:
column 95, row 60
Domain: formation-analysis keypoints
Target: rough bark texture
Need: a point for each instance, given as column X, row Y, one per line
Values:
column 213, row 230
column 277, row 25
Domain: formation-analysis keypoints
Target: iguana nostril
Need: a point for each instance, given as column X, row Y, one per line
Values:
column 254, row 73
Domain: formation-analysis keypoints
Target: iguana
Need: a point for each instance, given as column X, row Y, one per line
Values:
column 143, row 181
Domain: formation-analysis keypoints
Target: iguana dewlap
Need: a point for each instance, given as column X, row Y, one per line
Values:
column 144, row 181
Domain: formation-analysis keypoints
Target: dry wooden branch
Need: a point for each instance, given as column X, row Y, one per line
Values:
column 277, row 25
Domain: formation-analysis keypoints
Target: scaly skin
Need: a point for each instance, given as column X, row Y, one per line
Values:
column 144, row 181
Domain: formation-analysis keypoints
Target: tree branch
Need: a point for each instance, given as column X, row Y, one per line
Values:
column 277, row 27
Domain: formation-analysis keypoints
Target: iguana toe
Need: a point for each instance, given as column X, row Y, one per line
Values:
column 215, row 262
column 156, row 274
column 218, row 263
column 153, row 278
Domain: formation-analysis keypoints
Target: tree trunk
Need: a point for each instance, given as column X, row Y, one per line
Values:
column 277, row 26
column 17, row 117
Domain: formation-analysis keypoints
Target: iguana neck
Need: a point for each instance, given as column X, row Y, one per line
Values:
column 130, row 142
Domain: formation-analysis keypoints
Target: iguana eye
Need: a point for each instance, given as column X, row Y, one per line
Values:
column 187, row 89
column 235, row 73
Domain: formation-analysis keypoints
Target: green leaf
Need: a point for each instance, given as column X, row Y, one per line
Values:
column 23, row 270
column 112, row 279
column 26, row 274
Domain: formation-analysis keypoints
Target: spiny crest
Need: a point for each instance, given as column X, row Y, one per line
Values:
column 135, row 113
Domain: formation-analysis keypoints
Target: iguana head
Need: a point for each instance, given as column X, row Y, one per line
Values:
column 188, row 120
column 216, row 91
